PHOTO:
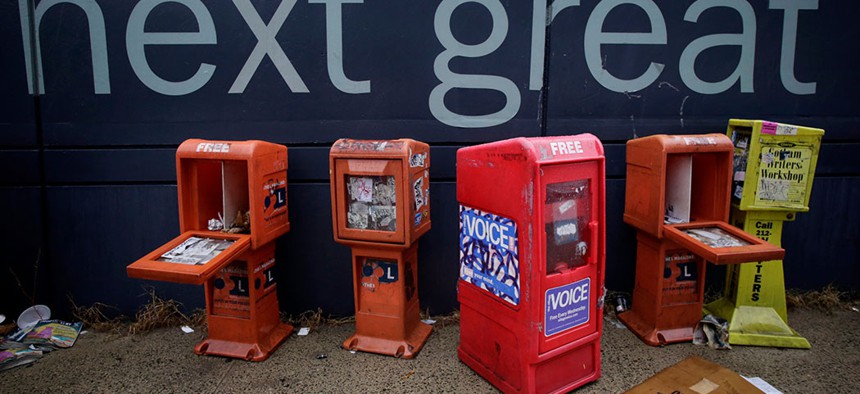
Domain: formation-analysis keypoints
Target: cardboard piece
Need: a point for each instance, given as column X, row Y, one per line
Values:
column 695, row 375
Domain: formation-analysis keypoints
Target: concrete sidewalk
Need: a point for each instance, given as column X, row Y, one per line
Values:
column 163, row 361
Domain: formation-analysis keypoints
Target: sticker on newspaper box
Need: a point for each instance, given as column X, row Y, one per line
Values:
column 567, row 307
column 489, row 253
column 784, row 175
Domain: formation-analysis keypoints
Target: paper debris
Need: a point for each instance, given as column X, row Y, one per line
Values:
column 613, row 321
column 428, row 321
column 760, row 384
column 25, row 346
column 303, row 331
column 186, row 329
column 712, row 331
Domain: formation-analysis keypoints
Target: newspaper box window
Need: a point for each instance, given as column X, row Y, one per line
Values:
column 232, row 206
column 677, row 198
column 532, row 245
column 380, row 194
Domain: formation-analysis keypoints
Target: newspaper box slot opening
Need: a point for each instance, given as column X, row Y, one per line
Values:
column 721, row 243
column 190, row 258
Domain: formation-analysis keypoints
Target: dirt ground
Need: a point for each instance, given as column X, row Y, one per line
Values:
column 163, row 361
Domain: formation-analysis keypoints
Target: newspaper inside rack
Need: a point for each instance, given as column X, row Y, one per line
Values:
column 196, row 250
column 715, row 237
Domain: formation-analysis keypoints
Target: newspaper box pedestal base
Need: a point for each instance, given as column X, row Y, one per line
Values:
column 757, row 326
column 666, row 310
column 754, row 302
column 242, row 309
column 387, row 318
column 406, row 348
column 247, row 351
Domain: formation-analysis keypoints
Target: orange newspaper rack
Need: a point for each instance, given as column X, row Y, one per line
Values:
column 380, row 207
column 232, row 207
column 677, row 198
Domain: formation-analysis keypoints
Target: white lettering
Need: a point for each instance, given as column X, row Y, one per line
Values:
column 334, row 45
column 595, row 37
column 544, row 13
column 136, row 40
column 746, row 40
column 98, row 43
column 789, row 43
column 565, row 147
column 568, row 297
column 213, row 147
column 542, row 17
column 492, row 232
column 451, row 80
column 267, row 45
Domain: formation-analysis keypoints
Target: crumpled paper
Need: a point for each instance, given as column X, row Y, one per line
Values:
column 712, row 331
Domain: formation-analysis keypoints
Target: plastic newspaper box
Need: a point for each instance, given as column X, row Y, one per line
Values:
column 532, row 257
column 232, row 207
column 380, row 193
column 774, row 166
column 677, row 198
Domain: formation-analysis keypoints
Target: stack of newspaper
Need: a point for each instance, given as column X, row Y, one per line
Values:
column 25, row 346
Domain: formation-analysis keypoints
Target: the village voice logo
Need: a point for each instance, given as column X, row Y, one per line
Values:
column 567, row 306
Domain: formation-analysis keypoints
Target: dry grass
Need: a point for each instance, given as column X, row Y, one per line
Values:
column 442, row 321
column 159, row 313
column 712, row 294
column 315, row 318
column 826, row 299
column 97, row 318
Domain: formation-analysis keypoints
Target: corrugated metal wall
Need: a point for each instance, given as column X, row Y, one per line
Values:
column 88, row 184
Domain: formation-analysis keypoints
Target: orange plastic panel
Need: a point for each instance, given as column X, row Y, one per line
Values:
column 387, row 315
column 720, row 243
column 214, row 177
column 649, row 163
column 362, row 171
column 153, row 266
column 242, row 308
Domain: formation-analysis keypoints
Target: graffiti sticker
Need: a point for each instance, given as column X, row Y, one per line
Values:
column 376, row 272
column 489, row 253
column 418, row 189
